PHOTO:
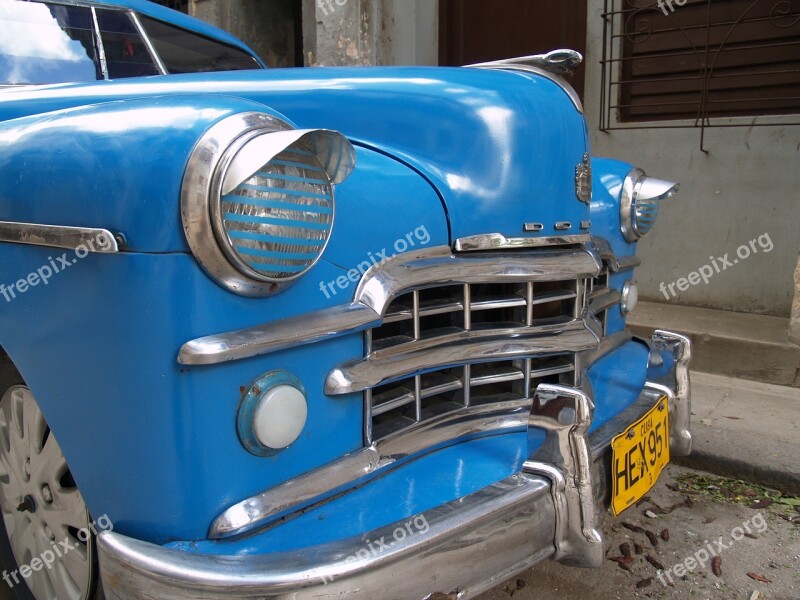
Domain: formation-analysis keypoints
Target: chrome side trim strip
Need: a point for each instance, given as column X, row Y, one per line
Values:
column 100, row 241
column 515, row 514
column 565, row 458
column 281, row 335
column 378, row 288
column 377, row 459
column 456, row 349
column 497, row 241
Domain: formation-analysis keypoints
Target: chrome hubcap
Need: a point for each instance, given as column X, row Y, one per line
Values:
column 45, row 517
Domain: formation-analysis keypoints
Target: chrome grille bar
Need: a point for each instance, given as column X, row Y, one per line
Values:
column 467, row 327
column 460, row 348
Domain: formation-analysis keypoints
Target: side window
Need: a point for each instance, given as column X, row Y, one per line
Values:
column 182, row 51
column 41, row 43
column 126, row 54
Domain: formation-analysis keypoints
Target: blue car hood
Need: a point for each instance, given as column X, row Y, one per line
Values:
column 499, row 147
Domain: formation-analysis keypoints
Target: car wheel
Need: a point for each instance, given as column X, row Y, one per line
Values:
column 47, row 546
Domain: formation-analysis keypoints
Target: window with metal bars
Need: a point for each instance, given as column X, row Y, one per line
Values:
column 701, row 60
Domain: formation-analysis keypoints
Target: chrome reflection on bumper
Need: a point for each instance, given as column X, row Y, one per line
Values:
column 552, row 509
column 676, row 381
column 565, row 459
column 374, row 460
column 498, row 531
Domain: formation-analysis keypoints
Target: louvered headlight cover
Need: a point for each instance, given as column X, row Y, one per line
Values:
column 258, row 200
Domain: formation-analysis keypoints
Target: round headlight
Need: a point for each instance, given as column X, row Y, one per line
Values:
column 258, row 200
column 640, row 202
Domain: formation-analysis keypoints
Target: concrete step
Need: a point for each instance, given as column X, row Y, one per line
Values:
column 745, row 430
column 746, row 346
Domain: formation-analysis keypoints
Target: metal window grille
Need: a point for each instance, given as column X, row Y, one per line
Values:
column 701, row 62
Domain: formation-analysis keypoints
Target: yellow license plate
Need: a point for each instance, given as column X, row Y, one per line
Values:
column 638, row 455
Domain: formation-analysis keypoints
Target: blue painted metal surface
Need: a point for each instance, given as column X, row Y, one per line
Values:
column 501, row 148
column 442, row 154
column 445, row 475
column 164, row 457
column 609, row 176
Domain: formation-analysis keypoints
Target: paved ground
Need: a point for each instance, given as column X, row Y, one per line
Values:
column 772, row 553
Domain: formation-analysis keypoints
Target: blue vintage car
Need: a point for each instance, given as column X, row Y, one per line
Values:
column 309, row 333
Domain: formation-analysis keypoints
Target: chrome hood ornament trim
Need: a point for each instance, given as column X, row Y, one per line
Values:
column 553, row 66
column 559, row 62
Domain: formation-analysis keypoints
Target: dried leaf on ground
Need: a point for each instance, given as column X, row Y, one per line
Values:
column 652, row 537
column 632, row 527
column 654, row 562
column 716, row 566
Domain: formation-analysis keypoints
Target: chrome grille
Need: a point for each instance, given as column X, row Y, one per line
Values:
column 597, row 289
column 436, row 312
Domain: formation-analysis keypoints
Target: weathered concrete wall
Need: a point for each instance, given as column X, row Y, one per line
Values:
column 370, row 32
column 747, row 185
column 340, row 32
column 409, row 32
column 267, row 27
column 794, row 329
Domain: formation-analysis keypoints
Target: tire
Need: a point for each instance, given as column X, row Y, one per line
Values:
column 37, row 490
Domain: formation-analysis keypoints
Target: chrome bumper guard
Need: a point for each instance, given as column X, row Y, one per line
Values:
column 551, row 509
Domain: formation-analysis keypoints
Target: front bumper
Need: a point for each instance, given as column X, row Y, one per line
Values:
column 552, row 509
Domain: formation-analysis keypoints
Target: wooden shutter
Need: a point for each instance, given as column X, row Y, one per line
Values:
column 709, row 58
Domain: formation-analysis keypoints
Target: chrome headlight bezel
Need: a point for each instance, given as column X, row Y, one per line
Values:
column 229, row 148
column 639, row 203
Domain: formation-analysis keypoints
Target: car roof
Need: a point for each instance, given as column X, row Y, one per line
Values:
column 173, row 17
